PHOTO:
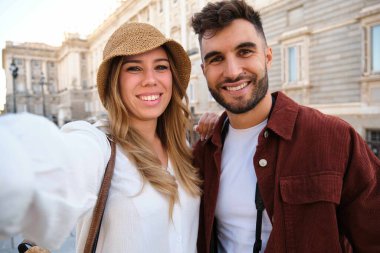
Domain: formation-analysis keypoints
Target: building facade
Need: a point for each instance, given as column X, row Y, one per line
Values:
column 326, row 55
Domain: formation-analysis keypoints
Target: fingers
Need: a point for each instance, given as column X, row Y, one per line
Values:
column 206, row 125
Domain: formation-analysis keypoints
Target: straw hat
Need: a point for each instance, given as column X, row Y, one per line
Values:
column 136, row 38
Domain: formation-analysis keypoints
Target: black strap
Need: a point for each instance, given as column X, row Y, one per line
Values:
column 259, row 219
column 258, row 200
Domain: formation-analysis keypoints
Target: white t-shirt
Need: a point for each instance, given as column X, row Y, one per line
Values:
column 235, row 208
column 49, row 181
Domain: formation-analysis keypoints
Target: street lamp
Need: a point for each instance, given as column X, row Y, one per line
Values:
column 14, row 69
column 42, row 82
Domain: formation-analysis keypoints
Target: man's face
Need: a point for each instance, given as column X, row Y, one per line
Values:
column 235, row 62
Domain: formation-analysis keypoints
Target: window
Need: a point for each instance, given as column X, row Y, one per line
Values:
column 375, row 48
column 83, row 56
column 161, row 4
column 22, row 108
column 84, row 84
column 295, row 57
column 373, row 140
column 369, row 18
column 18, row 61
column 20, row 87
column 293, row 64
column 191, row 93
column 38, row 109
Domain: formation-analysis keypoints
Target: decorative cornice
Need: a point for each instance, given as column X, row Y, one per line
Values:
column 302, row 31
column 369, row 11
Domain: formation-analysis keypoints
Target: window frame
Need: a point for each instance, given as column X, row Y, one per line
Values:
column 301, row 41
column 370, row 55
column 191, row 91
column 374, row 145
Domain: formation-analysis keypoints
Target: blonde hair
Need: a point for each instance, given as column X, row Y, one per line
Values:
column 171, row 129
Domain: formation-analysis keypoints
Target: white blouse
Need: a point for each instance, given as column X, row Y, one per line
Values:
column 49, row 181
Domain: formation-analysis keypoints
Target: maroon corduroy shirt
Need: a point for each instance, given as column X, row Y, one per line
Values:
column 320, row 183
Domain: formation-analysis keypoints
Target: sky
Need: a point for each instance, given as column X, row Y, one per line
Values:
column 47, row 21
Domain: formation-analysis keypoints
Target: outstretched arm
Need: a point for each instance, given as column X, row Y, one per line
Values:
column 48, row 177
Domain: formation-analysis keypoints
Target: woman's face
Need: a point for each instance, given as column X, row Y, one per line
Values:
column 145, row 84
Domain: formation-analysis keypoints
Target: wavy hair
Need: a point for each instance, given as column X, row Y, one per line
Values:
column 217, row 15
column 171, row 129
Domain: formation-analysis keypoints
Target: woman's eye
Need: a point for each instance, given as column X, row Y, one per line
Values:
column 162, row 67
column 133, row 68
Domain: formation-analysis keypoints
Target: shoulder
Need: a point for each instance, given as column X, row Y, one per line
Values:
column 85, row 128
column 313, row 120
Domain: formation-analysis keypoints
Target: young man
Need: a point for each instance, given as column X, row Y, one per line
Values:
column 319, row 181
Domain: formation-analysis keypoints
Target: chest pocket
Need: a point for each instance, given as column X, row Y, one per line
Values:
column 309, row 211
column 308, row 189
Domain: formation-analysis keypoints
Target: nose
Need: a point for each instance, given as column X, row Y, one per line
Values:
column 149, row 78
column 232, row 69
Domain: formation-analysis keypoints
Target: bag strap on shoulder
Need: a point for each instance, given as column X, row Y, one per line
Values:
column 93, row 234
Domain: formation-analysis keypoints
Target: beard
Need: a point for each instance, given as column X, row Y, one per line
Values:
column 243, row 105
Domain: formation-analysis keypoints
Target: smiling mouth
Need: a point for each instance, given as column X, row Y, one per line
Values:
column 236, row 88
column 149, row 98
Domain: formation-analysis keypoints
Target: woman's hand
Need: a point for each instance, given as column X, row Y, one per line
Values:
column 206, row 125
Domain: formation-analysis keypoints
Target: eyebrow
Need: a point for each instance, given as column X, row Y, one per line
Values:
column 246, row 44
column 140, row 61
column 210, row 54
column 241, row 45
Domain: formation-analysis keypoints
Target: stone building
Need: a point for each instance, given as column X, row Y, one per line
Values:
column 326, row 55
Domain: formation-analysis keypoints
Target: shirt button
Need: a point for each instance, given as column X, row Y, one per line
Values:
column 266, row 134
column 263, row 162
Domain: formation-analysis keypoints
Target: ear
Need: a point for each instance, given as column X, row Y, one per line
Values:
column 203, row 68
column 268, row 57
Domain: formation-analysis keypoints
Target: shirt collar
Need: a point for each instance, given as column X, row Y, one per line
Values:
column 281, row 121
column 283, row 117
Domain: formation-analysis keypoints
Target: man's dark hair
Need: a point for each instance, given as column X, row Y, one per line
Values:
column 215, row 16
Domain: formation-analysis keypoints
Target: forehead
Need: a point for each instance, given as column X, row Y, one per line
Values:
column 229, row 37
column 153, row 54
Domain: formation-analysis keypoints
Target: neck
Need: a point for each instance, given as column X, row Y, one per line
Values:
column 253, row 117
column 147, row 129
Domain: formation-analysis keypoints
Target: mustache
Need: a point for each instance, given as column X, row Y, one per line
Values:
column 242, row 76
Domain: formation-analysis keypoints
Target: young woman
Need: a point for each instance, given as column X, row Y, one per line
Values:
column 50, row 178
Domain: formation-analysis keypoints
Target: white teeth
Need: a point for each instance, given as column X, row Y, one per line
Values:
column 149, row 98
column 241, row 86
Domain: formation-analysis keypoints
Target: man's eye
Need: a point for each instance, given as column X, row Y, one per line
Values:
column 216, row 59
column 245, row 52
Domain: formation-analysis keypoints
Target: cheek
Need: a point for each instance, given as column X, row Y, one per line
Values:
column 212, row 73
column 127, row 83
column 125, row 90
column 167, row 81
